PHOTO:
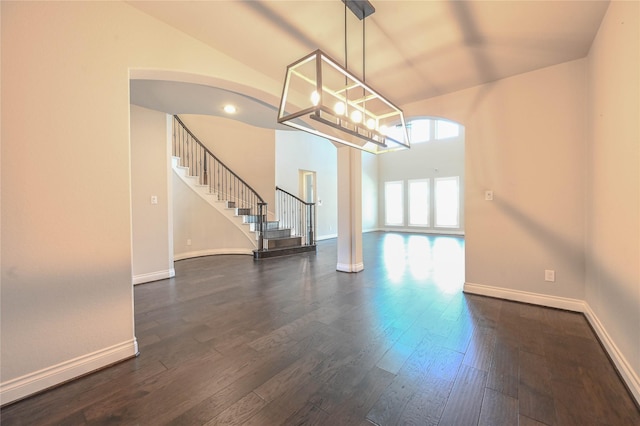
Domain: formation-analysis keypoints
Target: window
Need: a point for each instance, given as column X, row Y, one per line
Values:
column 419, row 202
column 395, row 133
column 447, row 202
column 447, row 129
column 426, row 129
column 419, row 130
column 393, row 203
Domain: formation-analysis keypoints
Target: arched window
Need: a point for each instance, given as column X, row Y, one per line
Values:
column 427, row 129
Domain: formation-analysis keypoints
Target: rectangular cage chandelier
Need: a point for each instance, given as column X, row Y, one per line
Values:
column 323, row 98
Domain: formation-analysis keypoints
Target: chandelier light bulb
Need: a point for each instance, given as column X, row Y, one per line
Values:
column 340, row 108
column 371, row 123
column 384, row 130
column 315, row 98
column 356, row 116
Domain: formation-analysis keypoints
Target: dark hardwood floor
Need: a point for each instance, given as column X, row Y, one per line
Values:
column 291, row 341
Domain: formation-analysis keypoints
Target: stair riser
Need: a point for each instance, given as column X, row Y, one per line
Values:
column 253, row 218
column 266, row 254
column 277, row 233
column 253, row 226
column 282, row 243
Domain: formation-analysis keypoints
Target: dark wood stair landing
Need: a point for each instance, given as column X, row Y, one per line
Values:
column 286, row 251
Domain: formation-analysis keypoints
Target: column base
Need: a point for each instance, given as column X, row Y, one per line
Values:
column 350, row 267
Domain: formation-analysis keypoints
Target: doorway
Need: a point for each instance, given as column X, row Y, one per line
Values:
column 307, row 186
column 307, row 190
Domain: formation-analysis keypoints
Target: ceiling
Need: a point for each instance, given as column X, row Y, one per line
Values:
column 413, row 49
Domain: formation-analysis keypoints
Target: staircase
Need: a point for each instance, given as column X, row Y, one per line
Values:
column 235, row 199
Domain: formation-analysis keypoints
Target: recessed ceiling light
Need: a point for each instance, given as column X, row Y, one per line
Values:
column 230, row 109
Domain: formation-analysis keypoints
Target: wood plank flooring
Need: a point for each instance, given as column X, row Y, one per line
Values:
column 291, row 341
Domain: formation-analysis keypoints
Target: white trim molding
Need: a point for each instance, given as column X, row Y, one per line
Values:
column 350, row 267
column 629, row 376
column 21, row 387
column 153, row 276
column 418, row 230
column 568, row 304
column 212, row 252
column 326, row 237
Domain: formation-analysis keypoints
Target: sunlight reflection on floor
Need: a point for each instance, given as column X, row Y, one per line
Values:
column 425, row 259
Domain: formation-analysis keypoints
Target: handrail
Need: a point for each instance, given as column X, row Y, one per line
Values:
column 216, row 158
column 297, row 215
column 222, row 181
column 297, row 198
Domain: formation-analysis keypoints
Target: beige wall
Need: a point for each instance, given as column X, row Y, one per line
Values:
column 247, row 150
column 66, row 295
column 613, row 185
column 67, row 305
column 152, row 251
column 208, row 231
column 525, row 139
column 183, row 224
column 560, row 149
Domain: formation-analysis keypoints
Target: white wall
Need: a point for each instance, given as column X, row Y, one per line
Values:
column 295, row 151
column 67, row 298
column 613, row 185
column 152, row 247
column 370, row 191
column 426, row 160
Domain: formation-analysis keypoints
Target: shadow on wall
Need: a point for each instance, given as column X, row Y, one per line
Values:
column 570, row 251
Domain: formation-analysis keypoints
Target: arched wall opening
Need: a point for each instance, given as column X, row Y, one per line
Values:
column 422, row 189
column 245, row 142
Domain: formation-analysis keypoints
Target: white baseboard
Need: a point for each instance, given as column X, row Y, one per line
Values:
column 326, row 237
column 153, row 276
column 403, row 229
column 350, row 267
column 21, row 387
column 629, row 376
column 211, row 252
column 568, row 304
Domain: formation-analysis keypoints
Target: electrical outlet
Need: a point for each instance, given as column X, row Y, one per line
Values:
column 189, row 241
column 154, row 199
column 488, row 195
column 550, row 275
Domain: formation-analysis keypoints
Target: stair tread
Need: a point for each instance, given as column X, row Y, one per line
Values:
column 283, row 251
column 282, row 238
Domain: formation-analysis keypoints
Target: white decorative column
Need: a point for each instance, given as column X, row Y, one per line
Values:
column 349, row 210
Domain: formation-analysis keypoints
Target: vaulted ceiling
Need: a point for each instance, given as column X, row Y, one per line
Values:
column 413, row 49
